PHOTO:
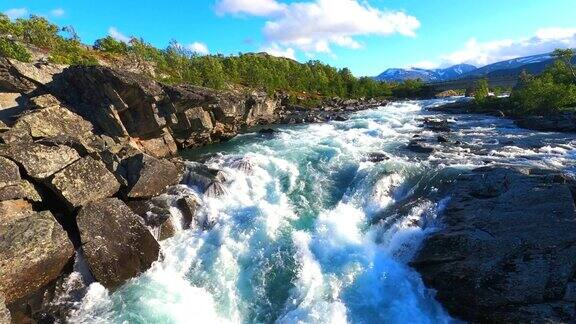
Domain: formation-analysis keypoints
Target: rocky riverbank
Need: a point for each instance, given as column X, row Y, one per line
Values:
column 85, row 152
column 565, row 122
column 507, row 249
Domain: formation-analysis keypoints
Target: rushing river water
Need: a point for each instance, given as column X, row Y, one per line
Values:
column 312, row 231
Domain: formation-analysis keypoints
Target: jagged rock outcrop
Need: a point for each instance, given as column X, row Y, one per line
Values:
column 115, row 243
column 507, row 251
column 34, row 250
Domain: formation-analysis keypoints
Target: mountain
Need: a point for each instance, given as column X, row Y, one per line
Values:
column 399, row 75
column 533, row 64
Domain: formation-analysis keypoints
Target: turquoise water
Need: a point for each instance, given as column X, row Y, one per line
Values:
column 312, row 232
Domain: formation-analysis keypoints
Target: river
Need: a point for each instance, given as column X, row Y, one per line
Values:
column 311, row 229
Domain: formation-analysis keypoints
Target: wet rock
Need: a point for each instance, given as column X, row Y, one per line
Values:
column 551, row 123
column 200, row 176
column 243, row 164
column 437, row 125
column 39, row 161
column 418, row 146
column 148, row 176
column 34, row 250
column 115, row 243
column 188, row 207
column 506, row 252
column 442, row 139
column 84, row 181
column 376, row 157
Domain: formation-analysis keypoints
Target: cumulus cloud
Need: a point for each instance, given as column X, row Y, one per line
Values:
column 16, row 13
column 116, row 34
column 314, row 26
column 249, row 7
column 58, row 12
column 276, row 50
column 198, row 47
column 482, row 53
column 424, row 65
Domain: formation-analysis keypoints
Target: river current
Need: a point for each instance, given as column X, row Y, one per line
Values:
column 313, row 229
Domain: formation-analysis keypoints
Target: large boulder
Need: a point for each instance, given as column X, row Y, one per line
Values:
column 507, row 251
column 115, row 243
column 22, row 189
column 34, row 250
column 11, row 80
column 84, row 181
column 39, row 161
column 148, row 176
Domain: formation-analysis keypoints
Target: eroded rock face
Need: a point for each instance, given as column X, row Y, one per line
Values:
column 115, row 243
column 148, row 176
column 507, row 252
column 34, row 250
column 39, row 161
column 84, row 181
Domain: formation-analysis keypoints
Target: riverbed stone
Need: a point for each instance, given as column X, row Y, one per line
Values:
column 116, row 244
column 84, row 181
column 34, row 250
column 507, row 250
column 39, row 161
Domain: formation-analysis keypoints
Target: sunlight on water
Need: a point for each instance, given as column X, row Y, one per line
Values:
column 310, row 231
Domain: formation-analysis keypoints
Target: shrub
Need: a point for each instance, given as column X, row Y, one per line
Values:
column 12, row 49
column 110, row 45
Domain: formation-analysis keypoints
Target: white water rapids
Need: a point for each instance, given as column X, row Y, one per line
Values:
column 313, row 232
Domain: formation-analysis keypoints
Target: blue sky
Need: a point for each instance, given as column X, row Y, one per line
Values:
column 366, row 35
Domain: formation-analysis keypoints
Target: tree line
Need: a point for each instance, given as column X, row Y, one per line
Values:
column 175, row 64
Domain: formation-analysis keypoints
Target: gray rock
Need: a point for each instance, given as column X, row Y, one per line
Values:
column 20, row 190
column 148, row 176
column 508, row 248
column 9, row 172
column 115, row 243
column 34, row 250
column 5, row 317
column 188, row 206
column 39, row 161
column 84, row 181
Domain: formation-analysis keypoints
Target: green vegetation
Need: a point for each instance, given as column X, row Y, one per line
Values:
column 12, row 49
column 552, row 92
column 307, row 84
column 481, row 91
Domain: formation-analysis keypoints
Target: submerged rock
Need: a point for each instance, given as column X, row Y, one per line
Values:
column 507, row 252
column 115, row 243
column 34, row 250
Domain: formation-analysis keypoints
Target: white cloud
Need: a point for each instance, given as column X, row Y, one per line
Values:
column 482, row 53
column 116, row 34
column 16, row 13
column 424, row 65
column 250, row 7
column 276, row 50
column 316, row 25
column 58, row 12
column 198, row 47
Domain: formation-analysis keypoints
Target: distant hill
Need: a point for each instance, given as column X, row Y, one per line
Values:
column 534, row 64
column 433, row 75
